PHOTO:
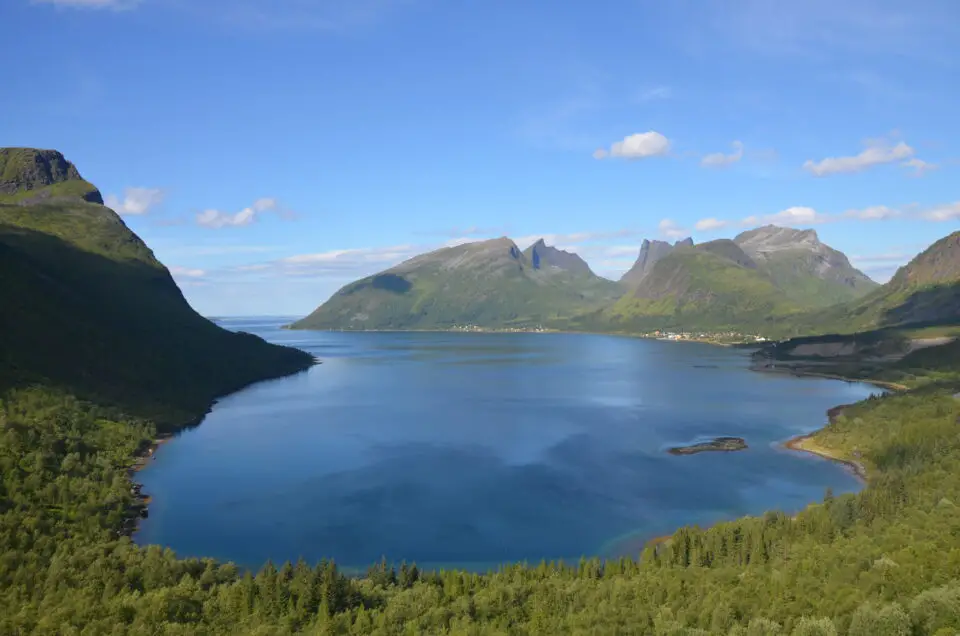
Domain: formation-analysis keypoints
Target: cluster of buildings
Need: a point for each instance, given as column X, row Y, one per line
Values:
column 725, row 336
column 532, row 328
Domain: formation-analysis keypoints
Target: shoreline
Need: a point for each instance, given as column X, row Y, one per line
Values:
column 617, row 334
column 801, row 373
column 805, row 444
column 141, row 500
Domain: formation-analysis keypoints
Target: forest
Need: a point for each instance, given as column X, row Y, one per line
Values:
column 883, row 561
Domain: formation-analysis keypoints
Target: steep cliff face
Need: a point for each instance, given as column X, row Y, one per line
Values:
column 546, row 257
column 650, row 253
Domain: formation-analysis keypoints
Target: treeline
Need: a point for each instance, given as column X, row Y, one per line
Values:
column 882, row 562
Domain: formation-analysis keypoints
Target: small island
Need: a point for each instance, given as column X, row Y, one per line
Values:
column 725, row 444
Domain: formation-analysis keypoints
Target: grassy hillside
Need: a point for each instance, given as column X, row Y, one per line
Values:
column 91, row 311
column 711, row 286
column 925, row 292
column 489, row 283
column 792, row 272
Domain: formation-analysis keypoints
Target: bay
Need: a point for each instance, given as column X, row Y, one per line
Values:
column 477, row 449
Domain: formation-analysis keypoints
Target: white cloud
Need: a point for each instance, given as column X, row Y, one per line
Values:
column 919, row 166
column 637, row 146
column 948, row 212
column 719, row 160
column 217, row 219
column 186, row 272
column 710, row 224
column 873, row 213
column 669, row 229
column 135, row 201
column 797, row 215
column 877, row 152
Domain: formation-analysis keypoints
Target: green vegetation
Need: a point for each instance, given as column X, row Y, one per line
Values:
column 925, row 292
column 713, row 286
column 75, row 411
column 489, row 284
column 92, row 313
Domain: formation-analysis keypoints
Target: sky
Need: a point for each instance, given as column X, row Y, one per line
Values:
column 271, row 151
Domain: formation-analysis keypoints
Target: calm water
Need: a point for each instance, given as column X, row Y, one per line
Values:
column 475, row 449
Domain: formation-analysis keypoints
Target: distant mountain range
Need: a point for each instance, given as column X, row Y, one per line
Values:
column 771, row 279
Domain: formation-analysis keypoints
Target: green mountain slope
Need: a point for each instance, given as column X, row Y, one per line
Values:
column 926, row 291
column 713, row 286
column 488, row 283
column 809, row 272
column 89, row 309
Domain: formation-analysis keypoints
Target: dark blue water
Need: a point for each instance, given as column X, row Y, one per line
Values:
column 476, row 449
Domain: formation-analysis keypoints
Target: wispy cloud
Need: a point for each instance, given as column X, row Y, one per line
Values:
column 797, row 215
column 331, row 16
column 948, row 212
column 920, row 167
column 669, row 228
column 873, row 213
column 877, row 152
column 806, row 216
column 710, row 224
column 653, row 94
column 91, row 4
column 825, row 29
column 216, row 219
column 135, row 201
column 636, row 146
column 217, row 250
column 186, row 272
column 720, row 160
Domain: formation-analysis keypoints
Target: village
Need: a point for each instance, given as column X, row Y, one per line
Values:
column 725, row 337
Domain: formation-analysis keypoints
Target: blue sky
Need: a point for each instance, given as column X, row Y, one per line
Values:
column 270, row 151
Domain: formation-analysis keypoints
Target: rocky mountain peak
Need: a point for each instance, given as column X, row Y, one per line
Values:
column 771, row 238
column 545, row 257
column 23, row 170
column 650, row 253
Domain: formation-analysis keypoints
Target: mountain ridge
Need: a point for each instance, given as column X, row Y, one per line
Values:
column 489, row 283
column 99, row 316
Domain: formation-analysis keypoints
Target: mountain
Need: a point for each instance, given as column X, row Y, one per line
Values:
column 925, row 291
column 711, row 286
column 28, row 175
column 487, row 283
column 544, row 257
column 809, row 272
column 89, row 310
column 650, row 253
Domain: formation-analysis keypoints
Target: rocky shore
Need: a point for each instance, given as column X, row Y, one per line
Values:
column 138, row 509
